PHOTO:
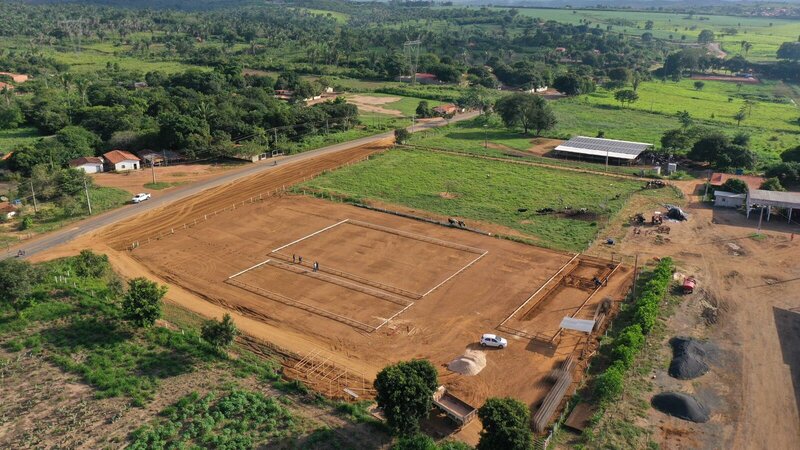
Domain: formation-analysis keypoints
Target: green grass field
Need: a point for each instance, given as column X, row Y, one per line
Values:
column 11, row 139
column 766, row 34
column 488, row 191
column 717, row 101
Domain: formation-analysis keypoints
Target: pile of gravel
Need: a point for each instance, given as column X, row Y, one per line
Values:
column 689, row 358
column 681, row 406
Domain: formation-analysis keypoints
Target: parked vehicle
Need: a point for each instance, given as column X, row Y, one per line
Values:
column 140, row 197
column 493, row 340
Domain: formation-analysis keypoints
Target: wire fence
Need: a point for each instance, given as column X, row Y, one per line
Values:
column 165, row 233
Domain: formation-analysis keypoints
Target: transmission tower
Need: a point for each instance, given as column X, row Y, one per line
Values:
column 412, row 53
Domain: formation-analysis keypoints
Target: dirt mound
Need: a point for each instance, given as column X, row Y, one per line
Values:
column 470, row 363
column 681, row 406
column 689, row 358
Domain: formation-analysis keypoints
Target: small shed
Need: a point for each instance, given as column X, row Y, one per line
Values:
column 729, row 199
column 121, row 161
column 88, row 164
column 757, row 199
column 610, row 150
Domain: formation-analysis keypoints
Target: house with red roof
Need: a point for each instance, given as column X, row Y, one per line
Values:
column 88, row 164
column 121, row 161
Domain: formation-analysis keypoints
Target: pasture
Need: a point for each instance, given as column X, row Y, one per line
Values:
column 487, row 191
column 765, row 34
column 716, row 101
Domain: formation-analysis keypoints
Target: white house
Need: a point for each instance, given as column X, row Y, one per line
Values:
column 88, row 164
column 121, row 161
column 729, row 199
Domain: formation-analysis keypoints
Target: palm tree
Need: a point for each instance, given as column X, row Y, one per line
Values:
column 746, row 46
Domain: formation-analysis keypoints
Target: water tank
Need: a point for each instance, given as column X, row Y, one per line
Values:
column 672, row 168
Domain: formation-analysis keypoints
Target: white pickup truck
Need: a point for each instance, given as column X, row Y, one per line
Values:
column 139, row 198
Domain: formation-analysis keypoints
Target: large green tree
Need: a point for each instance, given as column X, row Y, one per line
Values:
column 790, row 51
column 142, row 301
column 506, row 425
column 717, row 149
column 405, row 393
column 526, row 110
column 17, row 278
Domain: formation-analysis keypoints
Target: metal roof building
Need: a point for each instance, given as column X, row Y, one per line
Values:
column 594, row 148
column 757, row 198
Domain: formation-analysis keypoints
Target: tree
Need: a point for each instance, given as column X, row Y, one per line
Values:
column 648, row 25
column 705, row 37
column 772, row 184
column 717, row 149
column 401, row 136
column 10, row 116
column 787, row 172
column 739, row 117
column 620, row 74
column 77, row 141
column 569, row 84
column 699, row 85
column 526, row 110
column 404, row 392
column 626, row 96
column 506, row 425
column 90, row 264
column 423, row 110
column 219, row 334
column 792, row 155
column 734, row 185
column 17, row 278
column 685, row 118
column 790, row 51
column 142, row 301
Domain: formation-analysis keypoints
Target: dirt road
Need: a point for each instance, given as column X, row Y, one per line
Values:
column 754, row 390
column 83, row 227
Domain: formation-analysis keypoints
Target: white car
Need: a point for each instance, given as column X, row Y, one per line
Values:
column 139, row 198
column 493, row 340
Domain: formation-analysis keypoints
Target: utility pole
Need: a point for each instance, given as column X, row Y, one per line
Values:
column 35, row 206
column 153, row 170
column 88, row 201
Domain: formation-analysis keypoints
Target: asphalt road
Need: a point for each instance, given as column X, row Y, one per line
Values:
column 76, row 229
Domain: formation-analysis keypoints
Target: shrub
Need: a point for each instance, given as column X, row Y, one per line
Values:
column 220, row 334
column 608, row 386
column 26, row 223
column 142, row 302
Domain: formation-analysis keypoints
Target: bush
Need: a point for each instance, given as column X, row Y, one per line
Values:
column 220, row 334
column 142, row 302
column 26, row 223
column 608, row 386
column 401, row 136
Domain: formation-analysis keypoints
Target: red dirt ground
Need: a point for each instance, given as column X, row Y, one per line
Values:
column 439, row 326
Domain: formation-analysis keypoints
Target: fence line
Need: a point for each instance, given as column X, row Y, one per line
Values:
column 252, row 200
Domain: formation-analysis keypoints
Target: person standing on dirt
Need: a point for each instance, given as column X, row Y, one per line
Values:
column 294, row 258
column 300, row 259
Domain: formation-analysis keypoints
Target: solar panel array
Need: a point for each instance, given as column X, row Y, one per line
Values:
column 607, row 145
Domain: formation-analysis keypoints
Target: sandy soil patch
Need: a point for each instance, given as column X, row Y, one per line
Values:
column 134, row 181
column 368, row 103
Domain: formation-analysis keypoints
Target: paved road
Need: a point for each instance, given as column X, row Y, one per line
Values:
column 72, row 231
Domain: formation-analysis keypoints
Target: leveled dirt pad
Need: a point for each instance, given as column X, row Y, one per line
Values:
column 387, row 288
